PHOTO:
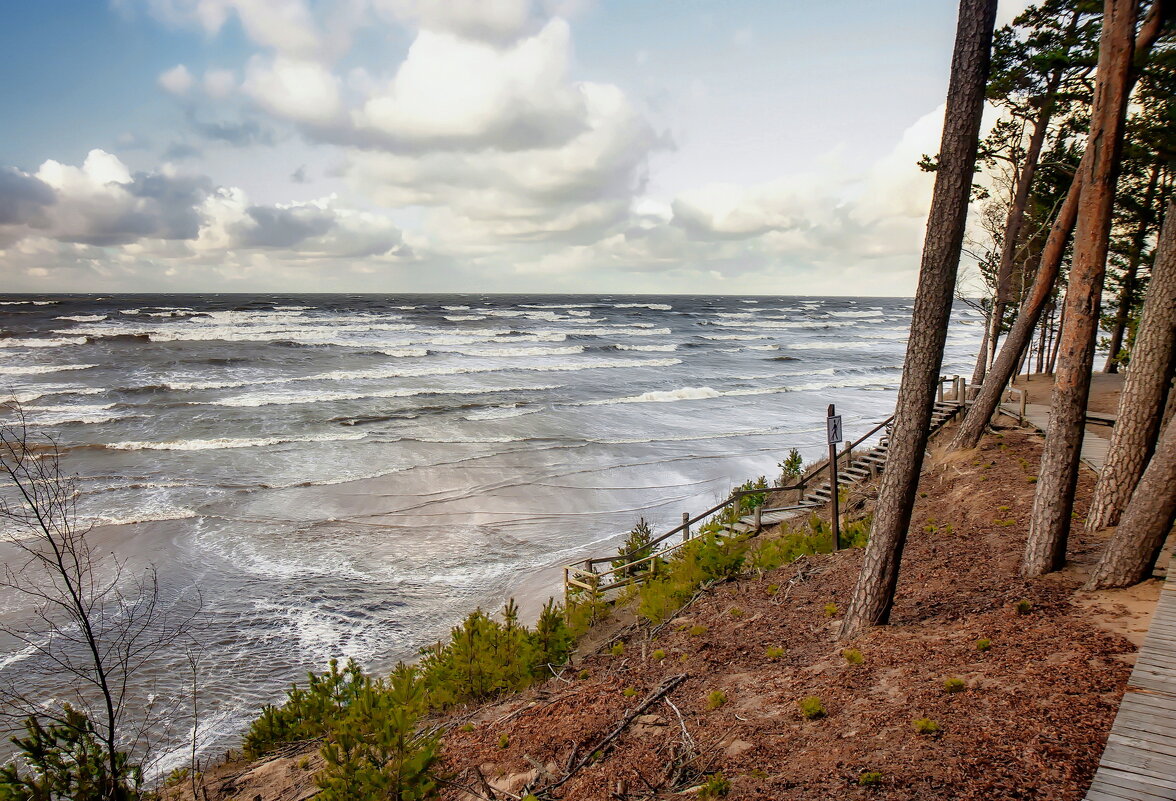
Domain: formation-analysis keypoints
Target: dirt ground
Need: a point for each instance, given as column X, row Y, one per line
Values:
column 1028, row 722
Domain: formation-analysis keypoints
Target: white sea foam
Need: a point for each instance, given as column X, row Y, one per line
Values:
column 556, row 305
column 51, row 342
column 653, row 306
column 734, row 337
column 856, row 314
column 405, row 353
column 456, row 308
column 227, row 442
column 35, row 369
column 499, row 412
column 618, row 331
column 146, row 516
column 659, row 348
column 824, row 345
column 661, row 396
column 279, row 399
column 83, row 318
column 457, row 318
column 567, row 350
column 83, row 413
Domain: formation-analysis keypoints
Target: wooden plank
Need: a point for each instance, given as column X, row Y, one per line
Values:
column 1131, row 787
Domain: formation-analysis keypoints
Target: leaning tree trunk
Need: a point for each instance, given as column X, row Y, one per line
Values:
column 1141, row 405
column 1132, row 551
column 874, row 593
column 984, row 406
column 1015, row 220
column 1134, row 257
column 1049, row 522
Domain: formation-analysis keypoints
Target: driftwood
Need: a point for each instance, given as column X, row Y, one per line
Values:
column 658, row 693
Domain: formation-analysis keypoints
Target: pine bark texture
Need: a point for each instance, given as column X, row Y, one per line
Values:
column 1141, row 404
column 874, row 594
column 1006, row 363
column 1130, row 276
column 1049, row 523
column 1132, row 551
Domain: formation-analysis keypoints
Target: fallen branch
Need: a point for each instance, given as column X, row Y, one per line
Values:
column 658, row 693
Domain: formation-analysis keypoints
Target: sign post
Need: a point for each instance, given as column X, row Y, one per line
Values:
column 833, row 425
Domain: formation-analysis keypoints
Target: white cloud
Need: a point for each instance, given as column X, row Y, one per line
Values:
column 219, row 84
column 301, row 91
column 177, row 80
column 488, row 20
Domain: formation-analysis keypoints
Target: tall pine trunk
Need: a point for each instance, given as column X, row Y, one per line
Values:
column 1131, row 554
column 874, row 594
column 1049, row 523
column 1134, row 257
column 1006, row 363
column 1141, row 405
column 1014, row 222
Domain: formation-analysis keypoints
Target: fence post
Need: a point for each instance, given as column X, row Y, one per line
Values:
column 939, row 390
column 1021, row 407
column 567, row 591
column 834, row 489
column 963, row 396
column 685, row 526
column 759, row 516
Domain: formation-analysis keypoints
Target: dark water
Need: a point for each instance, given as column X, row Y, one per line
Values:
column 349, row 475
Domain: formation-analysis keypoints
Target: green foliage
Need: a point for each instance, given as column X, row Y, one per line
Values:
column 708, row 557
column 811, row 707
column 636, row 547
column 504, row 741
column 812, row 537
column 629, row 692
column 983, row 644
column 853, row 656
column 774, row 652
column 466, row 727
column 307, row 713
column 791, row 467
column 375, row 751
column 65, row 759
column 697, row 630
column 925, row 726
column 715, row 786
column 716, row 699
column 831, row 609
column 1024, row 606
column 177, row 777
column 584, row 674
column 953, row 684
column 735, row 612
column 658, row 655
column 618, row 648
column 871, row 778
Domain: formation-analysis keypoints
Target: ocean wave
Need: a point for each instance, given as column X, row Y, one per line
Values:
column 564, row 351
column 456, row 308
column 405, row 353
column 660, row 396
column 733, row 337
column 458, row 318
column 32, row 369
column 653, row 306
column 556, row 305
column 270, row 399
column 824, row 345
column 50, row 342
column 83, row 318
column 500, row 412
column 856, row 314
column 625, row 332
column 145, row 516
column 658, row 348
column 82, row 414
column 227, row 442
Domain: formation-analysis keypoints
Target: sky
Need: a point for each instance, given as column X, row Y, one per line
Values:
column 563, row 146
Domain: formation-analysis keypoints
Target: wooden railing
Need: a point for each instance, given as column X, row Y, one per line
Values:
column 624, row 569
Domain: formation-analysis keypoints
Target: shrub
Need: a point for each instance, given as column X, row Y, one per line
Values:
column 853, row 656
column 1024, row 606
column 658, row 655
column 504, row 741
column 466, row 727
column 983, row 644
column 811, row 707
column 831, row 610
column 736, row 612
column 715, row 786
column 618, row 649
column 871, row 778
column 952, row 684
column 375, row 750
column 584, row 674
column 791, row 467
column 925, row 726
column 774, row 652
column 636, row 547
column 773, row 589
column 67, row 760
column 629, row 692
column 716, row 699
column 697, row 630
column 708, row 557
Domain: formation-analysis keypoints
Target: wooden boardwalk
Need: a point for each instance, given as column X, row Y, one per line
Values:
column 1094, row 446
column 1139, row 762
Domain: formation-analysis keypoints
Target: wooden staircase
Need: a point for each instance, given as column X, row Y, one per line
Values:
column 860, row 467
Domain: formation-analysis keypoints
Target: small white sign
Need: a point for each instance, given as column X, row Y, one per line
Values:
column 834, row 424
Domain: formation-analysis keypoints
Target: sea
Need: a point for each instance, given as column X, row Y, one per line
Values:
column 341, row 476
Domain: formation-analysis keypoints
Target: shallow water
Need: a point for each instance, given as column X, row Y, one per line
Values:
column 349, row 475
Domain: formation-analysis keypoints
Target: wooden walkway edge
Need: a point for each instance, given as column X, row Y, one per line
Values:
column 1139, row 763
